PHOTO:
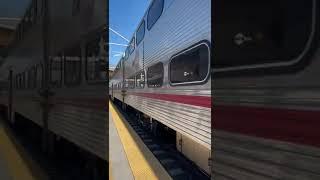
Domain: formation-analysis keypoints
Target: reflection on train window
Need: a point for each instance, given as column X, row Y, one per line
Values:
column 96, row 60
column 131, row 46
column 72, row 66
column 154, row 12
column 155, row 75
column 190, row 66
column 39, row 74
column 140, row 33
column 140, row 79
column 56, row 71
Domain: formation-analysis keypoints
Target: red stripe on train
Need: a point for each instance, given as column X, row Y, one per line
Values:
column 295, row 126
column 203, row 101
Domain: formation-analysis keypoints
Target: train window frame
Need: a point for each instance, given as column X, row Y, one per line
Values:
column 151, row 24
column 293, row 65
column 59, row 81
column 190, row 49
column 144, row 79
column 162, row 79
column 138, row 41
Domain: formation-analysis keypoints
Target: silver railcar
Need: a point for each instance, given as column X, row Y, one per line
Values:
column 165, row 73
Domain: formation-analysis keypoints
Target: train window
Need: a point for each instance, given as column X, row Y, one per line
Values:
column 96, row 61
column 39, row 74
column 190, row 66
column 140, row 33
column 155, row 75
column 154, row 12
column 140, row 80
column 131, row 46
column 72, row 66
column 56, row 71
column 262, row 34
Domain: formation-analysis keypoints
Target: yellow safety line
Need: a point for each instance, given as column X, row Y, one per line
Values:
column 110, row 174
column 17, row 167
column 141, row 160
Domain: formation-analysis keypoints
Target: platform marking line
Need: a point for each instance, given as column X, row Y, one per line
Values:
column 16, row 165
column 144, row 165
column 110, row 172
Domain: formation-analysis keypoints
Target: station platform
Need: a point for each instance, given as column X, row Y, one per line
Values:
column 14, row 165
column 129, row 157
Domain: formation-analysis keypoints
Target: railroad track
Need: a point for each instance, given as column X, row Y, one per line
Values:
column 177, row 166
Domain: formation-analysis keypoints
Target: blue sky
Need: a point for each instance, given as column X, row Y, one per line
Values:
column 124, row 18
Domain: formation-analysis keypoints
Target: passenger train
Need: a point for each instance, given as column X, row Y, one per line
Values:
column 266, row 90
column 165, row 74
column 67, row 94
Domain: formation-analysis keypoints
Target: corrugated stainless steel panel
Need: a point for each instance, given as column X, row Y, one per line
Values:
column 246, row 157
column 192, row 121
column 85, row 127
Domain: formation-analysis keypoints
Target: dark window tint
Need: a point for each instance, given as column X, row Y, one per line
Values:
column 140, row 80
column 190, row 66
column 140, row 33
column 155, row 75
column 260, row 32
column 72, row 66
column 56, row 71
column 154, row 12
column 96, row 60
